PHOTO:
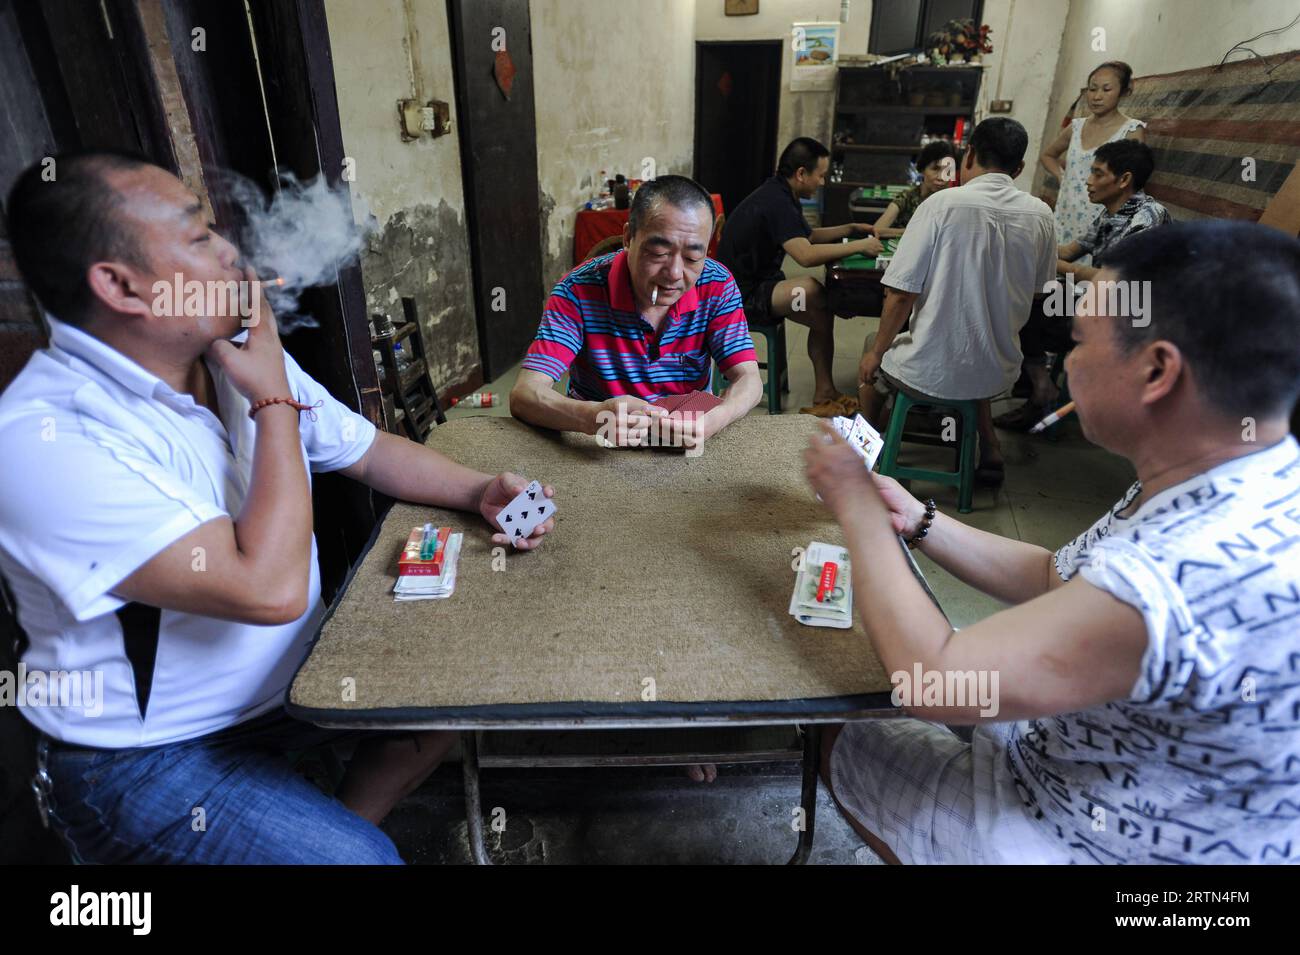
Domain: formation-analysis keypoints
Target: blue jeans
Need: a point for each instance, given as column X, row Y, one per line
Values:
column 230, row 797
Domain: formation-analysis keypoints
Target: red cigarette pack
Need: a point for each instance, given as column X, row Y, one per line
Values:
column 410, row 564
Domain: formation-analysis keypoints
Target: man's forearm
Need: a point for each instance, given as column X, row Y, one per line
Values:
column 903, row 624
column 547, row 408
column 273, row 529
column 831, row 233
column 408, row 471
column 897, row 310
column 740, row 397
column 1010, row 570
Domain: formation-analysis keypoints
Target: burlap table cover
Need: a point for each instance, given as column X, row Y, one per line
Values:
column 662, row 568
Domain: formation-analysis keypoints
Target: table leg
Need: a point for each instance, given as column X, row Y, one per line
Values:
column 473, row 804
column 812, row 740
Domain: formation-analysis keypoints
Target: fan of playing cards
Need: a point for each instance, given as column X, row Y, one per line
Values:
column 861, row 437
column 823, row 588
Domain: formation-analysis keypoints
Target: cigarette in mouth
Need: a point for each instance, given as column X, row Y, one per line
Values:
column 654, row 294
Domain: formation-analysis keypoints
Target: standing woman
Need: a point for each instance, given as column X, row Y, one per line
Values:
column 1077, row 142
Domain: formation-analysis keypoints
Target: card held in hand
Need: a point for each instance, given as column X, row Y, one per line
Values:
column 520, row 517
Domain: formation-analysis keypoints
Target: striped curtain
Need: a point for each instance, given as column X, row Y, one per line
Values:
column 1202, row 124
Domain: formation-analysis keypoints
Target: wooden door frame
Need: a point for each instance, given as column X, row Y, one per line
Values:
column 779, row 45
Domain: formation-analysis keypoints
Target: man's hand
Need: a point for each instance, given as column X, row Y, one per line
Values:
column 500, row 491
column 905, row 512
column 625, row 420
column 837, row 472
column 691, row 428
column 861, row 228
column 868, row 367
column 256, row 368
column 870, row 246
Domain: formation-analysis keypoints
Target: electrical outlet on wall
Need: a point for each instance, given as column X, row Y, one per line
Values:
column 1000, row 106
column 416, row 119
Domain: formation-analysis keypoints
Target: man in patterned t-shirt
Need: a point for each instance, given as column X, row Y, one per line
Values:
column 1145, row 701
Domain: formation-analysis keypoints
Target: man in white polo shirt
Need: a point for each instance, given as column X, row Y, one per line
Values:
column 965, row 273
column 156, row 531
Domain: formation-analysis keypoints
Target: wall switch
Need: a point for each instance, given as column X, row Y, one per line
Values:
column 1000, row 106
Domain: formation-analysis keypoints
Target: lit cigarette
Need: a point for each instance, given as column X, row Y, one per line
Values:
column 276, row 281
column 654, row 294
column 1052, row 418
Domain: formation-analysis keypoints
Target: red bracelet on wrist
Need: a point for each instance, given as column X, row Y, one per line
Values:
column 264, row 402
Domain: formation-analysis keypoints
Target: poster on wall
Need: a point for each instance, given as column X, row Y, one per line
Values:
column 814, row 50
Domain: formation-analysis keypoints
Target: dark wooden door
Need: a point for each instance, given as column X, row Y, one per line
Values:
column 498, row 156
column 737, row 95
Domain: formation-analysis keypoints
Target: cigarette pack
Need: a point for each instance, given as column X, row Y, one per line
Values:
column 411, row 565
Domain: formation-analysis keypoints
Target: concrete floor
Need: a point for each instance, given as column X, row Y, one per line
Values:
column 1053, row 491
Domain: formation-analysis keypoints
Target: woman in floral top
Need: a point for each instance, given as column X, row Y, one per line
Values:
column 938, row 165
column 1107, row 84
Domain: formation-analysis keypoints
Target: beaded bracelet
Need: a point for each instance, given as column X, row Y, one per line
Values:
column 915, row 540
column 264, row 402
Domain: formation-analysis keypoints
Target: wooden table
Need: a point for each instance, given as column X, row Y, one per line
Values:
column 660, row 601
column 853, row 285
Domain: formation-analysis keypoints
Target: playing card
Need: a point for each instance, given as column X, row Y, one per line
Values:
column 697, row 402
column 522, row 515
column 865, row 439
column 670, row 403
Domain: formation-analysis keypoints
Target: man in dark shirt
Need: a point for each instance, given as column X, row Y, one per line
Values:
column 762, row 230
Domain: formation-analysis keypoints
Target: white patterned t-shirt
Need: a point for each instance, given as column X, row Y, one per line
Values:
column 1201, row 763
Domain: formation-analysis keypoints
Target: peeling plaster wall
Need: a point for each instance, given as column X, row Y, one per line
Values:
column 414, row 189
column 615, row 84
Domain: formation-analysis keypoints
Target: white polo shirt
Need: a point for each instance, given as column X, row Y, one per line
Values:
column 104, row 466
column 976, row 255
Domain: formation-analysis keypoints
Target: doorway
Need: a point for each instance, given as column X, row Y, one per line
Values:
column 737, row 100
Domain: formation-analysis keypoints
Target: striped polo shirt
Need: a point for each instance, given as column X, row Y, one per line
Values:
column 591, row 328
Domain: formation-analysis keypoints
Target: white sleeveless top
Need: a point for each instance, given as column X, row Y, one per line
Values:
column 1074, row 213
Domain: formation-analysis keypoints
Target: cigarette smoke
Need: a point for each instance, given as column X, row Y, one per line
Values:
column 304, row 233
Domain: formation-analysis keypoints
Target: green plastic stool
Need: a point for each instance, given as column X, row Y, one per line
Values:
column 964, row 477
column 777, row 370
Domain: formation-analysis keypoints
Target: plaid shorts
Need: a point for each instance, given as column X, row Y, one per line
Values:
column 933, row 798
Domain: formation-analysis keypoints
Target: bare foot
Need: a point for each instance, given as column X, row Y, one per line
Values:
column 703, row 772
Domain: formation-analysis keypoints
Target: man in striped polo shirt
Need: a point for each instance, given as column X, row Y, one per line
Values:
column 641, row 324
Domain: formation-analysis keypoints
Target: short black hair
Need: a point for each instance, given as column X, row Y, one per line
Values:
column 935, row 150
column 999, row 143
column 1227, row 294
column 802, row 153
column 1128, row 155
column 682, row 192
column 61, row 220
column 1121, row 69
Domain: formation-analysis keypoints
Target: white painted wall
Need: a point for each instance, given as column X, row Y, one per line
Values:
column 805, row 112
column 615, row 84
column 1164, row 36
column 1026, row 41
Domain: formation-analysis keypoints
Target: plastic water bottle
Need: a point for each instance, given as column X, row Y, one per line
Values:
column 480, row 399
